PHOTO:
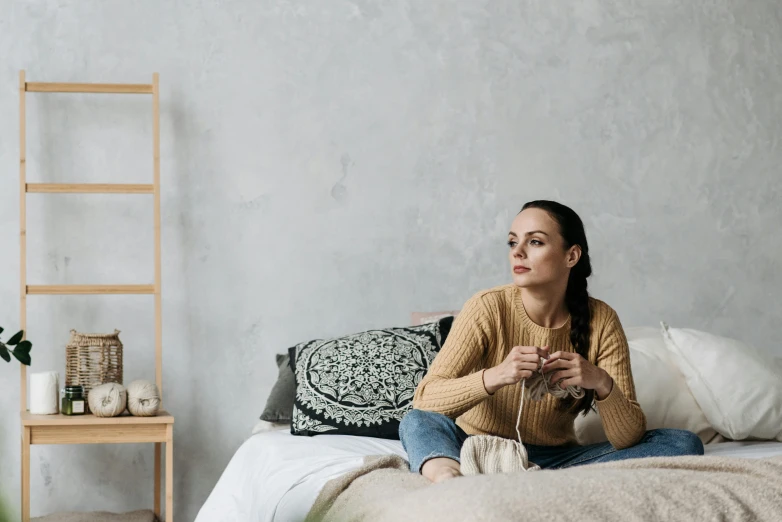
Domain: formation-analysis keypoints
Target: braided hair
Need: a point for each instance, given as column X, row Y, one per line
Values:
column 576, row 296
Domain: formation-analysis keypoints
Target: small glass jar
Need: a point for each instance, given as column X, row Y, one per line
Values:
column 73, row 400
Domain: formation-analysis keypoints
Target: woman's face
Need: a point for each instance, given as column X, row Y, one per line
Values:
column 537, row 250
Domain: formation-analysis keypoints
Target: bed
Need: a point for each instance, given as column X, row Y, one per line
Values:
column 276, row 477
column 684, row 379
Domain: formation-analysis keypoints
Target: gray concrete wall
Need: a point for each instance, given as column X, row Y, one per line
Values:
column 330, row 166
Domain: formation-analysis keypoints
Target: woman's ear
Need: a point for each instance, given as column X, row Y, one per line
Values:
column 573, row 255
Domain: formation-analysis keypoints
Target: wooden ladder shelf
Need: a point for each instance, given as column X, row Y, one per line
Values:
column 89, row 429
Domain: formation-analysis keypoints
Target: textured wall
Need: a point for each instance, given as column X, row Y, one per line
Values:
column 331, row 166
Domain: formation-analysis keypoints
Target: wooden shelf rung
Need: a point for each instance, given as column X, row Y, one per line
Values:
column 125, row 419
column 89, row 289
column 108, row 88
column 90, row 188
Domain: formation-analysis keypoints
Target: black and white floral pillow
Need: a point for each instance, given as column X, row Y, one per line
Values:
column 362, row 384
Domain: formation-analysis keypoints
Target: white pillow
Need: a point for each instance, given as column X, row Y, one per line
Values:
column 737, row 386
column 660, row 389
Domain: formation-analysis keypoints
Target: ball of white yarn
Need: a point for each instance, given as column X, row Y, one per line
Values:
column 107, row 400
column 143, row 398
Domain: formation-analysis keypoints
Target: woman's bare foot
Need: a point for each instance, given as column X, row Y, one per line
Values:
column 445, row 474
column 439, row 469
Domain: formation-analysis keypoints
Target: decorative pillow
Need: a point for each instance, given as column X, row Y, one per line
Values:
column 738, row 386
column 660, row 388
column 362, row 384
column 279, row 405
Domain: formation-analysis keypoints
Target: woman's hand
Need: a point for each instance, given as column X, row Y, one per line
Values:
column 570, row 369
column 521, row 363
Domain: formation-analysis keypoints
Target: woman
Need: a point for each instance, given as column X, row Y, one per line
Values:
column 498, row 339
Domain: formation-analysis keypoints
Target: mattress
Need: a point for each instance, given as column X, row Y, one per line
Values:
column 275, row 476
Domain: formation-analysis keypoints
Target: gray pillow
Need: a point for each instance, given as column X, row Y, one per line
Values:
column 279, row 405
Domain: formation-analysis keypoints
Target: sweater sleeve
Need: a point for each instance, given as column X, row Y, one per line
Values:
column 449, row 387
column 623, row 420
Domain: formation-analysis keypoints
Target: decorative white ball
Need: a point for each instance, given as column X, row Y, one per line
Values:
column 143, row 398
column 107, row 400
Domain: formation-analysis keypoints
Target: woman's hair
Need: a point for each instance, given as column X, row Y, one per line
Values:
column 576, row 297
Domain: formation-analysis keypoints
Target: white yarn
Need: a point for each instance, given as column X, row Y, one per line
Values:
column 143, row 398
column 539, row 386
column 107, row 400
column 484, row 454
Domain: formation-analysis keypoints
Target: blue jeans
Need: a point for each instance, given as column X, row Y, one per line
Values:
column 426, row 435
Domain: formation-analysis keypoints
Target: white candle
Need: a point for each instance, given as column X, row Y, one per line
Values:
column 44, row 393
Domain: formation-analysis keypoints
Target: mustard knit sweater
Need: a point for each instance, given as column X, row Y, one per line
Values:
column 489, row 325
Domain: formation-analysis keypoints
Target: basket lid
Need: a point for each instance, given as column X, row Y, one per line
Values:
column 98, row 335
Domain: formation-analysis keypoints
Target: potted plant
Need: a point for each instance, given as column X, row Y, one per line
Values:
column 21, row 348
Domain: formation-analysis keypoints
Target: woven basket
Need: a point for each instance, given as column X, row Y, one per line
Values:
column 92, row 360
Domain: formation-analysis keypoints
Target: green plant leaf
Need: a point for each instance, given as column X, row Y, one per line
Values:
column 23, row 357
column 1, row 329
column 13, row 341
column 4, row 353
column 24, row 346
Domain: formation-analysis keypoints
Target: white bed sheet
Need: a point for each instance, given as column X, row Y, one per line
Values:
column 275, row 476
column 749, row 449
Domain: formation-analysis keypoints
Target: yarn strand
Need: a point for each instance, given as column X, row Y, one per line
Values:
column 521, row 407
column 538, row 389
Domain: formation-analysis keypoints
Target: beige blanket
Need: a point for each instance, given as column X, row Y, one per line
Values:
column 659, row 488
